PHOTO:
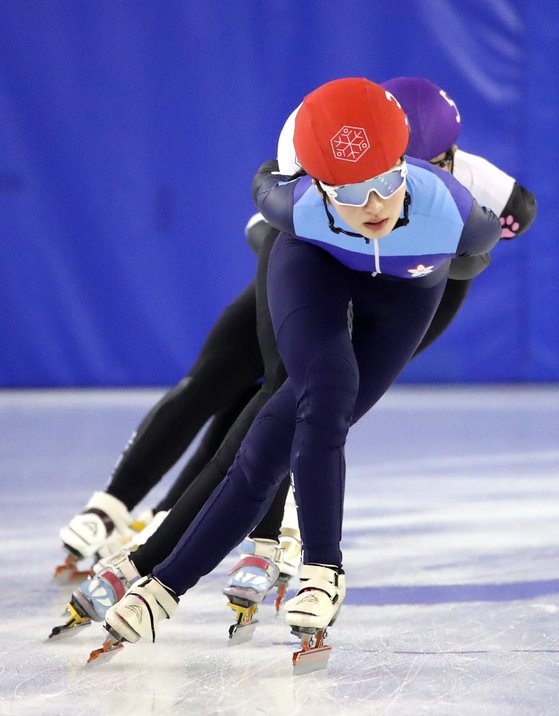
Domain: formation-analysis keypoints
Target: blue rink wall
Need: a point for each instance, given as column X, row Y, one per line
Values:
column 130, row 134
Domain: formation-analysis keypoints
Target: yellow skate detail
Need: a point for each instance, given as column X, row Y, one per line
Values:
column 243, row 629
column 137, row 525
column 244, row 614
column 75, row 620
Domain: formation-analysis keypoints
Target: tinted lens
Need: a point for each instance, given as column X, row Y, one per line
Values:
column 384, row 185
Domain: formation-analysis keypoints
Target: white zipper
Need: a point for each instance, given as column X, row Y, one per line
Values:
column 377, row 259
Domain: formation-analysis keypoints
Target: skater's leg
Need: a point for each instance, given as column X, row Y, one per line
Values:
column 209, row 444
column 454, row 294
column 323, row 368
column 268, row 530
column 389, row 320
column 269, row 526
column 269, row 558
column 277, row 558
column 389, row 331
column 264, row 457
column 160, row 545
column 236, row 505
column 95, row 596
column 185, row 510
column 228, row 365
column 274, row 374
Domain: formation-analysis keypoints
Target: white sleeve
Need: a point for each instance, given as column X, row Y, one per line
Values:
column 287, row 159
column 490, row 186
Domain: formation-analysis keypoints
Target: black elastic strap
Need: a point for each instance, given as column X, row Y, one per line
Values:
column 402, row 221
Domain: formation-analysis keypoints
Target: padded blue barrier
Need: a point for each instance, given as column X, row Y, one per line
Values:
column 130, row 134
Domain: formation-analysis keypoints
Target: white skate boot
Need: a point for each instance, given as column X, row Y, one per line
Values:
column 137, row 614
column 112, row 548
column 251, row 579
column 104, row 516
column 112, row 577
column 315, row 607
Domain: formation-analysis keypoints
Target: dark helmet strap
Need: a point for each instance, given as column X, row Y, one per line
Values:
column 337, row 229
column 402, row 221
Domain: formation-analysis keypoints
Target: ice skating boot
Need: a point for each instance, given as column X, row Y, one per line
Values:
column 250, row 580
column 315, row 607
column 131, row 544
column 137, row 614
column 95, row 595
column 103, row 516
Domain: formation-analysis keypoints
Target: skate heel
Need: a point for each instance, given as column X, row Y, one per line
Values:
column 243, row 629
column 251, row 579
column 335, row 617
column 314, row 653
column 315, row 608
column 74, row 624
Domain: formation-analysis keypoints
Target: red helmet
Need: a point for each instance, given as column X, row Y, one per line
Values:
column 349, row 130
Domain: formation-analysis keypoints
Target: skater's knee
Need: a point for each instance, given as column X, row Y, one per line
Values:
column 264, row 455
column 331, row 389
column 332, row 372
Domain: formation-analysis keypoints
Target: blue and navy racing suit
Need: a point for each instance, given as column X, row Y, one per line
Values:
column 394, row 285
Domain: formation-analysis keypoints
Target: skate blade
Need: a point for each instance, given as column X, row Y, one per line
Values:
column 72, row 626
column 282, row 588
column 69, row 578
column 241, row 633
column 68, row 572
column 309, row 660
column 105, row 652
column 64, row 631
column 243, row 630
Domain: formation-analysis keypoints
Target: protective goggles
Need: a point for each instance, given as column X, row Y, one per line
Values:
column 445, row 162
column 385, row 185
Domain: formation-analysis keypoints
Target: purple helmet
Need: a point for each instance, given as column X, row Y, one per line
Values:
column 434, row 118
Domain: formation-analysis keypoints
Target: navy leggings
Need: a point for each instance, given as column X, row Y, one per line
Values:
column 334, row 378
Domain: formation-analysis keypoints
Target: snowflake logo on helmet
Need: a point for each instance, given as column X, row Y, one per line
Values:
column 350, row 143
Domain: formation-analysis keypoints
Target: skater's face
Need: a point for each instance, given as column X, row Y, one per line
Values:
column 445, row 160
column 378, row 216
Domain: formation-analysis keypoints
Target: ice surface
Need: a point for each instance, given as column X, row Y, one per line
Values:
column 451, row 549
